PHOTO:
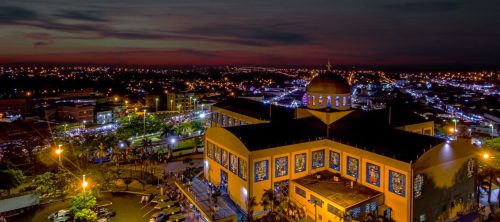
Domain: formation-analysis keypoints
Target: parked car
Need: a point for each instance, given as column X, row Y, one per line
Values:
column 158, row 217
column 105, row 212
column 60, row 214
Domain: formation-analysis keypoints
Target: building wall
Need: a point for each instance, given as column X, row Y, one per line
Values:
column 175, row 99
column 76, row 113
column 425, row 128
column 212, row 170
column 400, row 205
column 238, row 119
column 448, row 173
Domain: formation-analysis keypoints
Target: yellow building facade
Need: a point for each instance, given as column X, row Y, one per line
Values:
column 336, row 164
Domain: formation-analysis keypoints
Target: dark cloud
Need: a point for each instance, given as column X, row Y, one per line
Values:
column 425, row 7
column 41, row 43
column 252, row 36
column 15, row 14
column 82, row 16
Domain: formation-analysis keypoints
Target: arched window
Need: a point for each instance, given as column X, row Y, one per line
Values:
column 313, row 100
column 329, row 101
column 344, row 101
column 337, row 101
column 320, row 100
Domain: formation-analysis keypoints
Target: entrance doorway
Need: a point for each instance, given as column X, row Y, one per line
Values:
column 223, row 181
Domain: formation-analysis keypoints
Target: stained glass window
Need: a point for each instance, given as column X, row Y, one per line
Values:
column 329, row 101
column 209, row 149
column 344, row 101
column 418, row 185
column 313, row 100
column 337, row 101
column 318, row 159
column 352, row 167
column 261, row 170
column 224, row 158
column 373, row 206
column 243, row 170
column 300, row 162
column 373, row 174
column 355, row 212
column 217, row 154
column 281, row 166
column 320, row 100
column 397, row 183
column 233, row 163
column 334, row 160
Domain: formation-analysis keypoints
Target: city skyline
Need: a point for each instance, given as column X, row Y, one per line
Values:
column 239, row 32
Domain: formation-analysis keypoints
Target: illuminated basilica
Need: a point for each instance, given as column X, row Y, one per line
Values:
column 336, row 162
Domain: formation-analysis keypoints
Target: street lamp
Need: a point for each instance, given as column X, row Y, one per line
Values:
column 85, row 184
column 59, row 152
column 491, row 125
column 455, row 129
column 486, row 155
column 194, row 104
column 156, row 103
column 144, row 132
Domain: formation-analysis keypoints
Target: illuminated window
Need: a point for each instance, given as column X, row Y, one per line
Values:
column 313, row 101
column 320, row 101
column 337, row 101
column 344, row 101
column 329, row 101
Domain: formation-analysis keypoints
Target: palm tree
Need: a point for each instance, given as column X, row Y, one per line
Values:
column 167, row 130
column 268, row 199
column 115, row 157
column 101, row 152
column 251, row 203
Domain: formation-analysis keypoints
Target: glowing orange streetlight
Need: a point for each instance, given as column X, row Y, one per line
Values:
column 486, row 155
column 59, row 152
column 85, row 184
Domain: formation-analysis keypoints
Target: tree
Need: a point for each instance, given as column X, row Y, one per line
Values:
column 251, row 203
column 268, row 199
column 101, row 152
column 83, row 205
column 127, row 181
column 11, row 179
column 86, row 215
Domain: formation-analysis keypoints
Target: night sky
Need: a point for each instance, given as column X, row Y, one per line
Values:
column 163, row 32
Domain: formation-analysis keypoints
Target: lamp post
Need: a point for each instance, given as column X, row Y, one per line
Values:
column 59, row 152
column 491, row 125
column 315, row 210
column 144, row 129
column 171, row 104
column 156, row 104
column 455, row 129
column 85, row 184
column 194, row 107
column 486, row 156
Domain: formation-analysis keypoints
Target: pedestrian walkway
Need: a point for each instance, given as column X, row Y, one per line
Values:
column 199, row 195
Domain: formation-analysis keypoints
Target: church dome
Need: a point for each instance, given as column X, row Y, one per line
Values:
column 329, row 91
column 328, row 84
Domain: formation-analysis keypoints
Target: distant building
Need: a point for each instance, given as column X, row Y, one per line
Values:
column 13, row 206
column 154, row 101
column 73, row 112
column 14, row 106
column 338, row 163
column 180, row 101
column 77, row 93
column 104, row 117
